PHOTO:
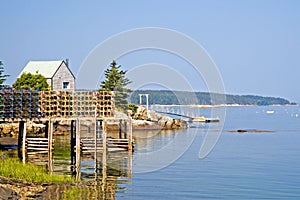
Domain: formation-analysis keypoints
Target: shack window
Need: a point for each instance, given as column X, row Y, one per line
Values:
column 66, row 85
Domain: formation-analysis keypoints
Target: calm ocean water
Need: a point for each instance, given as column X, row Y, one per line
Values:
column 241, row 166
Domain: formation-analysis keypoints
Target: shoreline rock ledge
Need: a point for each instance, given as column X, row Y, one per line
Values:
column 149, row 119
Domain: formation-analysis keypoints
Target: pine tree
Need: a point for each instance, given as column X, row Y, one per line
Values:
column 116, row 81
column 2, row 76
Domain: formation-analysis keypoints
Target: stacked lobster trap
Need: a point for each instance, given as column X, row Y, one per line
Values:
column 93, row 104
column 105, row 103
column 64, row 104
column 57, row 104
column 19, row 104
column 29, row 104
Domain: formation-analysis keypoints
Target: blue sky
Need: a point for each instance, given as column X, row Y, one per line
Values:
column 255, row 44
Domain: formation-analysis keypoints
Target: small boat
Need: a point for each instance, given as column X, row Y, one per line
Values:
column 270, row 111
column 202, row 119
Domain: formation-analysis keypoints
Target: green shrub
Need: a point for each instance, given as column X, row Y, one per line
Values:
column 133, row 108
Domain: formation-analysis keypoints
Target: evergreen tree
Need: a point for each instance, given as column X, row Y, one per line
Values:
column 31, row 81
column 116, row 81
column 2, row 76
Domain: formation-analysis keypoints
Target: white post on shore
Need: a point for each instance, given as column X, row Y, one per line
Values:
column 147, row 101
column 140, row 98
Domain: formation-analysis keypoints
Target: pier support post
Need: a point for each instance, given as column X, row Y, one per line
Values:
column 46, row 129
column 104, row 140
column 96, row 142
column 50, row 146
column 78, row 150
column 104, row 155
column 22, row 141
column 73, row 141
column 125, row 130
column 20, row 137
column 120, row 129
column 130, row 143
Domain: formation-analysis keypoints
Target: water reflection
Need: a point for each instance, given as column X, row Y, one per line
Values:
column 98, row 175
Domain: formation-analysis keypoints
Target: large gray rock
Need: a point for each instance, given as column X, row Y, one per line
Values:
column 162, row 121
column 153, row 116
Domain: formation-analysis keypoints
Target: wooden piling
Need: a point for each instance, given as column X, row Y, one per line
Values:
column 104, row 142
column 22, row 141
column 104, row 155
column 130, row 142
column 20, row 137
column 50, row 146
column 78, row 151
column 125, row 130
column 120, row 129
column 73, row 142
column 46, row 129
column 96, row 134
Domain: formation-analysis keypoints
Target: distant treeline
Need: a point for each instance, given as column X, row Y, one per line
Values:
column 166, row 97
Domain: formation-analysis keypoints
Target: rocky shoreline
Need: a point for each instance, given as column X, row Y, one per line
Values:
column 17, row 189
column 12, row 129
column 149, row 119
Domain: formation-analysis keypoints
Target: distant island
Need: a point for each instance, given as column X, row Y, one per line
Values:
column 167, row 97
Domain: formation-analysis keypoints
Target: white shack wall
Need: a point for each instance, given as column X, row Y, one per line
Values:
column 63, row 74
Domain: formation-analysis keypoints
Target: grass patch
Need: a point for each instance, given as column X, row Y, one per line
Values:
column 12, row 168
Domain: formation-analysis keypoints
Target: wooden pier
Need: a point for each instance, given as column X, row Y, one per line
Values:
column 76, row 107
column 190, row 119
column 82, row 141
